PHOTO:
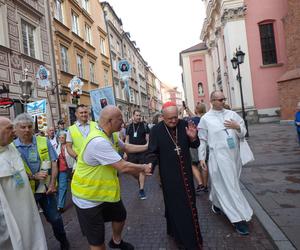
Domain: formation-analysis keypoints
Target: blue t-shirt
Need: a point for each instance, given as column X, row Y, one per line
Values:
column 297, row 119
column 30, row 154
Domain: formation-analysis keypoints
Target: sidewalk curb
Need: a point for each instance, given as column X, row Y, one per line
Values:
column 279, row 238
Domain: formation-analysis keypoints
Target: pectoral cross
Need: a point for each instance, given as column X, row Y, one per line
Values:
column 177, row 149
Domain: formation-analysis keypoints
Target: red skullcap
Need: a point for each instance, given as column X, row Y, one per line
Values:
column 168, row 104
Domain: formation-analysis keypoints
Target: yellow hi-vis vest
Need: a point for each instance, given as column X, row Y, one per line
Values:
column 42, row 148
column 77, row 137
column 96, row 183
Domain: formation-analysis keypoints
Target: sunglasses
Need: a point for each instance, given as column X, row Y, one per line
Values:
column 220, row 100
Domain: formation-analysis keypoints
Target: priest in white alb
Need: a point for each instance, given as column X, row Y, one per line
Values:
column 20, row 224
column 221, row 130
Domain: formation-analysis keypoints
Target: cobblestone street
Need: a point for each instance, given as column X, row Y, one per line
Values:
column 145, row 227
column 272, row 181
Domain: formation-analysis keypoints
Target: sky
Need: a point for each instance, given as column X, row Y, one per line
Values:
column 162, row 29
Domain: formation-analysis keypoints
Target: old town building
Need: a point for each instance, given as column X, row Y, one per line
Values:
column 289, row 82
column 259, row 33
column 25, row 45
column 81, row 48
column 194, row 75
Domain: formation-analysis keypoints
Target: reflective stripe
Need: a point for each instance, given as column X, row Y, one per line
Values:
column 77, row 137
column 42, row 148
column 96, row 183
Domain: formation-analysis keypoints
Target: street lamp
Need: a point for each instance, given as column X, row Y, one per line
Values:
column 25, row 90
column 236, row 61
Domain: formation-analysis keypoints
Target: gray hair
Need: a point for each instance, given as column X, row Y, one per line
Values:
column 64, row 133
column 23, row 118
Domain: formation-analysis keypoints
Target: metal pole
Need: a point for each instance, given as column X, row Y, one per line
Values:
column 242, row 100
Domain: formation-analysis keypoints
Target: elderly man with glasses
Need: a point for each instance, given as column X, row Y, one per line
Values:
column 222, row 129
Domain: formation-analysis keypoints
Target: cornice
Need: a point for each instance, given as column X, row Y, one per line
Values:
column 63, row 36
column 233, row 13
column 29, row 8
column 103, row 32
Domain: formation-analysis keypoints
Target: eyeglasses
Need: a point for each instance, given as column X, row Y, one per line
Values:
column 220, row 100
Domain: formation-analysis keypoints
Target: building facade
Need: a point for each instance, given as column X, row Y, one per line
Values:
column 289, row 82
column 194, row 76
column 140, row 81
column 259, row 33
column 82, row 49
column 25, row 44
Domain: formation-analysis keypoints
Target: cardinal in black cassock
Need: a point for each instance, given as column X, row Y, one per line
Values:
column 169, row 145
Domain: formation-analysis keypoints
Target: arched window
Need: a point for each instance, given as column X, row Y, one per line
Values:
column 267, row 40
column 200, row 89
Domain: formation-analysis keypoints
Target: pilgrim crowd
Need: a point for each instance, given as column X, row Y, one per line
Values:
column 193, row 152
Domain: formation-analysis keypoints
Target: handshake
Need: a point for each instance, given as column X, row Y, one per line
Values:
column 147, row 169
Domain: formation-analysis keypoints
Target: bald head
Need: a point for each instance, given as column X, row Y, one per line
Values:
column 170, row 116
column 217, row 100
column 6, row 131
column 111, row 119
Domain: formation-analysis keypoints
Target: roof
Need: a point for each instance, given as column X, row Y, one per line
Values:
column 199, row 46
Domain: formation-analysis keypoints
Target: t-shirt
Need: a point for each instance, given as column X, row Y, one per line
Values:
column 137, row 133
column 99, row 151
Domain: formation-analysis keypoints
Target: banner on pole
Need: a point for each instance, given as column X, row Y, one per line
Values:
column 38, row 110
column 100, row 98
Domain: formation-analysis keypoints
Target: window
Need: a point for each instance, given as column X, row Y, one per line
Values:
column 102, row 46
column 92, row 72
column 118, row 47
column 268, row 46
column 4, row 26
column 28, row 33
column 105, row 77
column 64, row 58
column 75, row 24
column 86, row 5
column 114, row 63
column 79, row 60
column 88, row 34
column 58, row 10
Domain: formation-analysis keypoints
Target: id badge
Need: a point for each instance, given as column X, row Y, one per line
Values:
column 18, row 179
column 32, row 155
column 135, row 134
column 230, row 142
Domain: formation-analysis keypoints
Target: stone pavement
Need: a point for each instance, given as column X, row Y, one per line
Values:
column 145, row 227
column 274, row 177
column 272, row 186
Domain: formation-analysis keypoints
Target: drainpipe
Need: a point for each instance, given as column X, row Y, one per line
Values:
column 110, row 57
column 52, row 56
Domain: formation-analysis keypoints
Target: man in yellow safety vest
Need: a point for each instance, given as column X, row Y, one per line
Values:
column 79, row 131
column 95, row 184
column 39, row 158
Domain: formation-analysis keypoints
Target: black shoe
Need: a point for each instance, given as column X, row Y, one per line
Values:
column 123, row 245
column 205, row 189
column 241, row 227
column 65, row 245
column 216, row 210
column 199, row 189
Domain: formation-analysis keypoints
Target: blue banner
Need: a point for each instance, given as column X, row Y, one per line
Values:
column 37, row 108
column 100, row 98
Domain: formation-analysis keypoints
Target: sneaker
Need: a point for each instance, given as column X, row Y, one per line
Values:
column 60, row 210
column 122, row 245
column 142, row 194
column 216, row 210
column 205, row 189
column 241, row 227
